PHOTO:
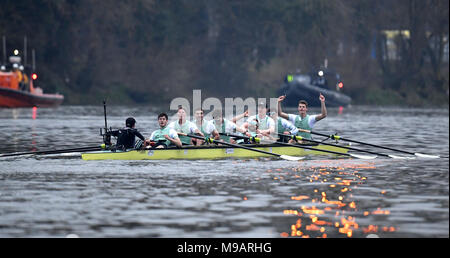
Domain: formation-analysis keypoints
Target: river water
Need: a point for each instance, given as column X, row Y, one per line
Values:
column 322, row 196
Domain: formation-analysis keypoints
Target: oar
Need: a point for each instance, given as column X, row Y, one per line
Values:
column 89, row 148
column 210, row 140
column 337, row 137
column 299, row 138
column 305, row 147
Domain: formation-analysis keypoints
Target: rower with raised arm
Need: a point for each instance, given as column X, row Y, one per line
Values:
column 303, row 121
column 164, row 136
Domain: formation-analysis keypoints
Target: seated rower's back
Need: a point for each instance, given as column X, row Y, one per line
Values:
column 126, row 137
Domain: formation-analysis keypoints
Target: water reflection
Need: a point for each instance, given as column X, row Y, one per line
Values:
column 326, row 205
column 34, row 113
column 223, row 198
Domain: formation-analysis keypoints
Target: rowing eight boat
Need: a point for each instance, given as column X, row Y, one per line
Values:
column 209, row 152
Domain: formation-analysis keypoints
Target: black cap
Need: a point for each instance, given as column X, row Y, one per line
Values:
column 130, row 122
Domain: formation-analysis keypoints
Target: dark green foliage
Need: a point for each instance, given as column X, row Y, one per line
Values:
column 154, row 50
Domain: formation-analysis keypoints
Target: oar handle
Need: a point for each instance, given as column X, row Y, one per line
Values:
column 304, row 130
column 253, row 139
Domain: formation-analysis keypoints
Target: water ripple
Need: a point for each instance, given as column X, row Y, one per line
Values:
column 53, row 196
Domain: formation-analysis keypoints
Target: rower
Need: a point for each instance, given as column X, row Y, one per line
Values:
column 303, row 120
column 283, row 126
column 224, row 125
column 164, row 136
column 260, row 125
column 181, row 125
column 126, row 136
column 206, row 127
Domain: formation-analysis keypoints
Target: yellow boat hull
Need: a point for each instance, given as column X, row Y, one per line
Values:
column 208, row 152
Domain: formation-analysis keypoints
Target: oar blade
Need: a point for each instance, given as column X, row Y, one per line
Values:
column 359, row 156
column 399, row 157
column 291, row 158
column 426, row 156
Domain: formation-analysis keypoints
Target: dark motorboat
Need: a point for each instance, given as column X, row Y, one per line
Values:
column 308, row 87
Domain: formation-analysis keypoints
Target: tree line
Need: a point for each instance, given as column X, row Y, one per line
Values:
column 150, row 51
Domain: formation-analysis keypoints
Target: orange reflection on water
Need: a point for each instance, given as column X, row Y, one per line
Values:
column 284, row 234
column 327, row 212
column 370, row 229
column 34, row 113
column 389, row 229
column 292, row 212
column 312, row 210
column 375, row 229
column 299, row 198
column 380, row 211
column 312, row 227
column 295, row 228
column 348, row 225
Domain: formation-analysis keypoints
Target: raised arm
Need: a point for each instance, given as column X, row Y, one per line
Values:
column 239, row 117
column 323, row 108
column 280, row 112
